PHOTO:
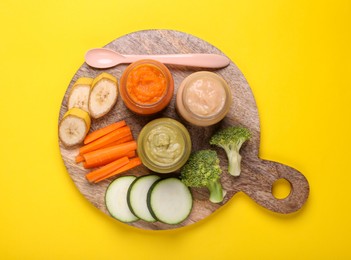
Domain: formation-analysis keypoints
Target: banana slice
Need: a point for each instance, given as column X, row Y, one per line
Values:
column 74, row 126
column 103, row 95
column 79, row 95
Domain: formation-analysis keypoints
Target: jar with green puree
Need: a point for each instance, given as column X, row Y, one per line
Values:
column 164, row 145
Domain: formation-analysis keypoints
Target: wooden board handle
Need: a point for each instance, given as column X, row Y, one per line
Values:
column 258, row 184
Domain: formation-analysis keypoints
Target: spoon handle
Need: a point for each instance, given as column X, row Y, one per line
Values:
column 192, row 60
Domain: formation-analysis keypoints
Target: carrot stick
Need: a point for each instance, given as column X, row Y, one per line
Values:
column 108, row 154
column 134, row 162
column 79, row 158
column 103, row 131
column 107, row 169
column 120, row 141
column 106, row 139
column 130, row 154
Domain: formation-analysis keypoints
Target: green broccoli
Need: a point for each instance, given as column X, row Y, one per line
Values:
column 202, row 170
column 231, row 140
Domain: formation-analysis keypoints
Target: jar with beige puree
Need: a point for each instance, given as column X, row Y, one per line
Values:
column 203, row 98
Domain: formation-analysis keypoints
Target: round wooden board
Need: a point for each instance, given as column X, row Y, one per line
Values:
column 257, row 176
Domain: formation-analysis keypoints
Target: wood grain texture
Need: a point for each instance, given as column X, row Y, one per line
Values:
column 257, row 177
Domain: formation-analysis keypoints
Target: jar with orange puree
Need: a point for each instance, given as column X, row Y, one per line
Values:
column 146, row 87
column 203, row 98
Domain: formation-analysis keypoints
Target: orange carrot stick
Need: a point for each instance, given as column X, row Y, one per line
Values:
column 107, row 169
column 103, row 131
column 109, row 154
column 130, row 154
column 134, row 162
column 80, row 157
column 120, row 141
column 106, row 139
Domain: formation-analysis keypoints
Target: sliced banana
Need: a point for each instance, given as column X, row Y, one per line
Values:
column 79, row 95
column 74, row 126
column 103, row 95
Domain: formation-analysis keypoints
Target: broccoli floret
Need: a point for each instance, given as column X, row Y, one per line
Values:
column 202, row 170
column 231, row 140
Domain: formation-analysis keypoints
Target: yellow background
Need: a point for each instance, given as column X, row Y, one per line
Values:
column 296, row 57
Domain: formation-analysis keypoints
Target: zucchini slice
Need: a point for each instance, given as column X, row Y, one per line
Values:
column 137, row 197
column 170, row 201
column 116, row 199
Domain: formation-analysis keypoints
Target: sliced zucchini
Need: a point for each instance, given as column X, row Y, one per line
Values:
column 116, row 199
column 169, row 201
column 137, row 197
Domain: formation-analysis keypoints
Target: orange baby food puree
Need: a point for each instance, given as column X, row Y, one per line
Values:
column 146, row 84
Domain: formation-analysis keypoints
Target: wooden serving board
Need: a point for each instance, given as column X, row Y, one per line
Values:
column 257, row 176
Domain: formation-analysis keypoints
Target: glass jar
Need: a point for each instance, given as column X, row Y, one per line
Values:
column 203, row 98
column 164, row 145
column 146, row 87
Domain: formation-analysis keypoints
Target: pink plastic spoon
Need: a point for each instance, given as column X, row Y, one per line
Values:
column 106, row 58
